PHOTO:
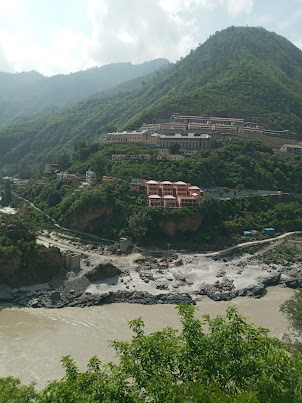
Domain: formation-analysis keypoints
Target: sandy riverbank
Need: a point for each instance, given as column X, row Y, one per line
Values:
column 187, row 279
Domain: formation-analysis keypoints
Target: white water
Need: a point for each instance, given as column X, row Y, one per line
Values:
column 32, row 341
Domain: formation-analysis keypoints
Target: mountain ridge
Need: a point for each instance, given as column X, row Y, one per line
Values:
column 241, row 70
column 27, row 95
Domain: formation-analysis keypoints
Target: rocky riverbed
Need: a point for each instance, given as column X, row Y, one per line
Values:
column 138, row 278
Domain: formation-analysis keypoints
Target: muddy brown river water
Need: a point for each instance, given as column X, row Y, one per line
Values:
column 32, row 341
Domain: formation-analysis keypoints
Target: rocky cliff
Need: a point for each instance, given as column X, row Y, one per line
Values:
column 186, row 223
column 39, row 266
column 90, row 220
column 98, row 219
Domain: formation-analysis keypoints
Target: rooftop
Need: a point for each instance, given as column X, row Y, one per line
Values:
column 184, row 136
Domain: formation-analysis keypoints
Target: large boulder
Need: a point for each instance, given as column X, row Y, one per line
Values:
column 103, row 271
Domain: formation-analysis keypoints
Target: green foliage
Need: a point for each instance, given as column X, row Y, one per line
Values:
column 292, row 309
column 6, row 193
column 250, row 164
column 282, row 254
column 174, row 148
column 11, row 391
column 140, row 224
column 20, row 231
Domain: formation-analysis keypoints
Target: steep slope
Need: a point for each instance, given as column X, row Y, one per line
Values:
column 24, row 96
column 239, row 71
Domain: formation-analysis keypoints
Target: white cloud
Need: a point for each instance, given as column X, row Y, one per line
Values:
column 21, row 51
column 33, row 37
column 139, row 30
column 177, row 6
column 237, row 7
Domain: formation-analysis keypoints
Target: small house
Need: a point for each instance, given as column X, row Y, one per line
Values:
column 247, row 233
column 162, row 265
column 269, row 231
column 126, row 244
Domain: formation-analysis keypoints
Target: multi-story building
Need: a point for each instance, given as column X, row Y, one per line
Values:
column 173, row 127
column 200, row 127
column 178, row 118
column 49, row 168
column 152, row 127
column 136, row 136
column 203, row 122
column 166, row 188
column 238, row 124
column 152, row 188
column 252, row 130
column 67, row 178
column 91, row 177
column 178, row 194
column 189, row 143
column 155, row 200
column 280, row 133
column 163, row 132
column 291, row 149
column 170, row 201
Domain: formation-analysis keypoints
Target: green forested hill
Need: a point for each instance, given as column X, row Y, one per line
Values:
column 25, row 96
column 240, row 71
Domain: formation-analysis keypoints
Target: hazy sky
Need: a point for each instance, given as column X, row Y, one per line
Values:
column 61, row 36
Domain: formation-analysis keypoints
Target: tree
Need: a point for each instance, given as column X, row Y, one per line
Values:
column 210, row 207
column 140, row 224
column 292, row 308
column 6, row 193
column 174, row 148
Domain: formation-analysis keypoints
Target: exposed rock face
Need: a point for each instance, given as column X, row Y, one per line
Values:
column 90, row 219
column 43, row 265
column 102, row 272
column 187, row 223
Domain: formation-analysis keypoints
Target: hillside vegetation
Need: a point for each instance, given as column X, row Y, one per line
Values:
column 25, row 96
column 114, row 210
column 240, row 71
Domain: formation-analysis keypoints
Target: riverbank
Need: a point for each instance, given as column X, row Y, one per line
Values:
column 141, row 280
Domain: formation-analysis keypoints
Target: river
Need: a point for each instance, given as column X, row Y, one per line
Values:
column 32, row 341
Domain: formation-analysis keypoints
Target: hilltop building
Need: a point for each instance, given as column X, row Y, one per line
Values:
column 189, row 143
column 215, row 127
column 172, row 194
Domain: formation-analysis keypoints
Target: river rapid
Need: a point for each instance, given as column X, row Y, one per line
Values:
column 32, row 341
